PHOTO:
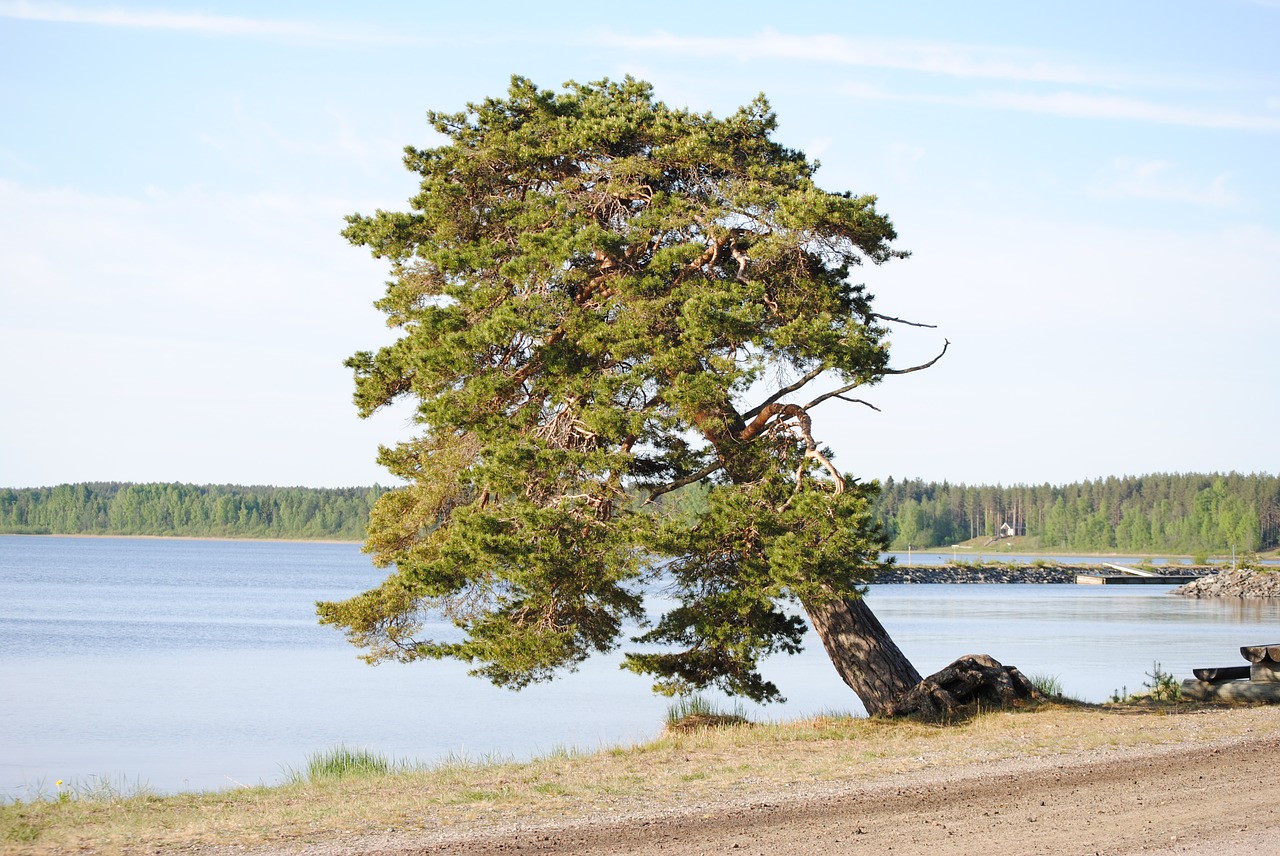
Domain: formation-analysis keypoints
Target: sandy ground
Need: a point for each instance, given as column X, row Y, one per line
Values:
column 1211, row 797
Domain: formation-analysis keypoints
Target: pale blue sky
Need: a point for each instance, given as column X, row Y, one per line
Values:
column 1089, row 190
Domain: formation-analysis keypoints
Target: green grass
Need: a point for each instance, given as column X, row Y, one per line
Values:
column 673, row 771
column 101, row 789
column 693, row 711
column 1050, row 685
column 342, row 762
column 1163, row 687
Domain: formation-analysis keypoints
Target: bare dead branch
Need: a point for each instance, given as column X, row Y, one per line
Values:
column 804, row 425
column 903, row 321
column 812, row 450
column 946, row 343
column 859, row 401
column 742, row 260
column 710, row 256
column 786, row 390
column 835, row 393
column 839, row 393
column 817, row 455
column 564, row 430
column 753, row 428
column 701, row 474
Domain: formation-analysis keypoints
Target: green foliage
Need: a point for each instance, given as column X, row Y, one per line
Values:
column 694, row 711
column 1162, row 687
column 598, row 298
column 342, row 762
column 93, row 788
column 18, row 827
column 728, row 578
column 1160, row 513
column 225, row 511
column 1051, row 687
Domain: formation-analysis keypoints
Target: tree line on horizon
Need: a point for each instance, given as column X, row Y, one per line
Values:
column 1185, row 513
column 1190, row 513
column 218, row 511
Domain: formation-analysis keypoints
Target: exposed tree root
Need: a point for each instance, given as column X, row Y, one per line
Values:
column 972, row 678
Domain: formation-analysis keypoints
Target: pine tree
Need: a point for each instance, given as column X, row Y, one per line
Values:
column 601, row 299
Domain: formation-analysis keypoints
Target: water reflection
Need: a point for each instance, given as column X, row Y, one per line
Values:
column 196, row 664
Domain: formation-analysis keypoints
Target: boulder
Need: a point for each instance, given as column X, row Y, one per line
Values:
column 1243, row 583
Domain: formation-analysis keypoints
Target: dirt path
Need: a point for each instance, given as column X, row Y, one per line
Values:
column 1217, row 798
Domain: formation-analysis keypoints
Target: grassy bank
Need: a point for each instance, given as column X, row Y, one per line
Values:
column 686, row 771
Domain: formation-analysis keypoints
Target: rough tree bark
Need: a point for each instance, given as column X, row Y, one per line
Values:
column 865, row 657
column 875, row 668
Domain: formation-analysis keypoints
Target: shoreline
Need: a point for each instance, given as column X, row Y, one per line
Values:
column 231, row 538
column 962, row 572
column 961, row 563
column 997, row 573
column 788, row 788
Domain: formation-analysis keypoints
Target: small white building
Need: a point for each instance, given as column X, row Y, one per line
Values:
column 1008, row 530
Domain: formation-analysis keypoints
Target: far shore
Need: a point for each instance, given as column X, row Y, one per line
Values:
column 180, row 537
column 989, row 556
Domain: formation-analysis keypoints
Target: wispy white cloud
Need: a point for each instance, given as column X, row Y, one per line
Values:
column 904, row 161
column 148, row 297
column 1091, row 106
column 334, row 136
column 12, row 161
column 816, row 148
column 1157, row 180
column 193, row 22
column 950, row 60
column 1079, row 105
column 1087, row 92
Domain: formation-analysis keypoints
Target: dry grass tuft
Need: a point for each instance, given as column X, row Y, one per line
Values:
column 696, row 721
column 702, row 767
column 692, row 713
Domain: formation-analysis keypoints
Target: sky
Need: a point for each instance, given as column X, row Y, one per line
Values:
column 1089, row 192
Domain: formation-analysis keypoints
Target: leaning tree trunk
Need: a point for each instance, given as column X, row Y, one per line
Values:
column 865, row 657
column 876, row 669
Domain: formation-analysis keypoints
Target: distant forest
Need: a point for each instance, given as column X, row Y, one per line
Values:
column 210, row 511
column 1191, row 514
column 1186, row 514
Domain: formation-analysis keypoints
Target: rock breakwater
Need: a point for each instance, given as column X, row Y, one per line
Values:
column 1002, row 573
column 981, row 574
column 1239, row 584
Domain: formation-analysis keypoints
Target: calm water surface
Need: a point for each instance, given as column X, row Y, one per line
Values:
column 199, row 664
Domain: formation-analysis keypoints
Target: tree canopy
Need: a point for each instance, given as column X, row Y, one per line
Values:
column 601, row 299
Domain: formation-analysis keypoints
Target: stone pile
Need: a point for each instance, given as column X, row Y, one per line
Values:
column 981, row 574
column 1010, row 573
column 1240, row 584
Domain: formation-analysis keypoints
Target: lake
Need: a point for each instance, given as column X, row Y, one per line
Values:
column 195, row 665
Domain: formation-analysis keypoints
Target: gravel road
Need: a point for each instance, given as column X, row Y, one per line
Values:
column 1196, row 797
